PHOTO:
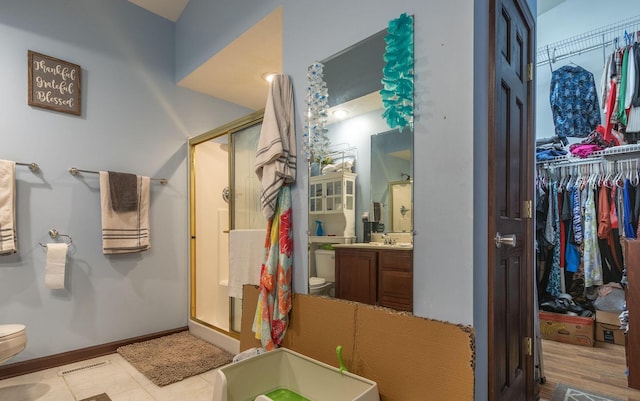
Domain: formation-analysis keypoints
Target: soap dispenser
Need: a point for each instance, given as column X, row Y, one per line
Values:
column 319, row 230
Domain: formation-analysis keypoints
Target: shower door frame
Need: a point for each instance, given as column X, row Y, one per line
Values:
column 228, row 129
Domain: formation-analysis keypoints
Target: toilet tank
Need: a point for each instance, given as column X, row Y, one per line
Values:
column 326, row 264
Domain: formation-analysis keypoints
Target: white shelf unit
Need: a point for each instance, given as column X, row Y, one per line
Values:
column 332, row 200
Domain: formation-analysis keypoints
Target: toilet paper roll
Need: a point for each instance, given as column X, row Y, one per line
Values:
column 55, row 268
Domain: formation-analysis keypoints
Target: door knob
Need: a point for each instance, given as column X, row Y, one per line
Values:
column 505, row 239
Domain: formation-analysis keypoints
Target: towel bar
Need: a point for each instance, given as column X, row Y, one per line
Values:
column 74, row 171
column 54, row 234
column 32, row 166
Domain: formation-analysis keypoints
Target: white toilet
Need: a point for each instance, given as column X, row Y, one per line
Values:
column 325, row 278
column 13, row 339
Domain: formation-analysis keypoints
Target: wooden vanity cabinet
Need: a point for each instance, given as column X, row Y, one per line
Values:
column 375, row 276
column 395, row 279
column 356, row 275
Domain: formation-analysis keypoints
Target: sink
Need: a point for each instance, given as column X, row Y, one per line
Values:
column 396, row 245
column 376, row 245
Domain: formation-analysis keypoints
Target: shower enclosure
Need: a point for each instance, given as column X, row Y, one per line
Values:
column 224, row 195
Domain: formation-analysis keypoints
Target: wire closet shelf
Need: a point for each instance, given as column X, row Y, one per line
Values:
column 593, row 40
column 609, row 154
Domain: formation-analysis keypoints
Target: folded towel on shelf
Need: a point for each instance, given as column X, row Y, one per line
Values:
column 55, row 267
column 246, row 256
column 125, row 232
column 8, row 238
column 123, row 188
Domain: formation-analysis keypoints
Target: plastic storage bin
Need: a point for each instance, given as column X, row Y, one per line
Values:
column 284, row 369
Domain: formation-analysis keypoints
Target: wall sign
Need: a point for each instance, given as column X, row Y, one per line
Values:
column 54, row 84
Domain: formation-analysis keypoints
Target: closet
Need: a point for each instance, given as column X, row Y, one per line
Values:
column 588, row 172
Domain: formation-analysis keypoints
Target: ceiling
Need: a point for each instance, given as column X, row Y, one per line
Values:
column 546, row 5
column 235, row 73
column 169, row 9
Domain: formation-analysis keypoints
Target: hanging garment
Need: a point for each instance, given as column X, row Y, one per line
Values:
column 633, row 123
column 605, row 84
column 621, row 113
column 544, row 248
column 631, row 78
column 577, row 215
column 613, row 214
column 592, row 262
column 629, row 231
column 611, row 267
column 274, row 300
column 555, row 281
column 574, row 102
column 562, row 228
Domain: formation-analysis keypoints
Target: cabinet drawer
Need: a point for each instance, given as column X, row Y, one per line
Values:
column 396, row 260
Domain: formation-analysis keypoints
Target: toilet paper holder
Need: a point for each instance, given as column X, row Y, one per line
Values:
column 54, row 234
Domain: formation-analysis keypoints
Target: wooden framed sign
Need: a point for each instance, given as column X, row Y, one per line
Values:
column 54, row 84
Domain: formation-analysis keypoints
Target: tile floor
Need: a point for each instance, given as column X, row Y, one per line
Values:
column 117, row 378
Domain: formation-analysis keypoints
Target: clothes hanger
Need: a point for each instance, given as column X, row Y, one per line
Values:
column 635, row 178
column 628, row 38
column 606, row 180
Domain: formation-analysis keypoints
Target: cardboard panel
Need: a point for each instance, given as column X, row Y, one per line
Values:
column 412, row 358
column 318, row 325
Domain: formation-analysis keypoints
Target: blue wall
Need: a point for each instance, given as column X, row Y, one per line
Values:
column 135, row 119
column 444, row 130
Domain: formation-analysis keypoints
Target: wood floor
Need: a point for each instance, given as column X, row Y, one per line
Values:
column 600, row 369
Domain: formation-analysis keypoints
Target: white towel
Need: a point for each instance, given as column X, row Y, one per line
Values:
column 246, row 256
column 125, row 232
column 275, row 163
column 8, row 238
column 55, row 268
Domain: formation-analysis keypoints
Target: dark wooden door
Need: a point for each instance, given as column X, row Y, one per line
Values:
column 512, row 44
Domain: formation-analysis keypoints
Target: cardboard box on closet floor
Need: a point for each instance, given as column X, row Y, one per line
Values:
column 409, row 357
column 608, row 327
column 567, row 329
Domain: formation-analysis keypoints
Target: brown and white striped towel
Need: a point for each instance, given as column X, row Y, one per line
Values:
column 125, row 231
column 8, row 238
column 275, row 163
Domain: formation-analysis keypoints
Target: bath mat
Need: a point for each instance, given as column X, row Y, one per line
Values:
column 99, row 397
column 169, row 359
column 564, row 392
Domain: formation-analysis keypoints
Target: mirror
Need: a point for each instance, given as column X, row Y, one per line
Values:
column 401, row 206
column 391, row 164
column 359, row 129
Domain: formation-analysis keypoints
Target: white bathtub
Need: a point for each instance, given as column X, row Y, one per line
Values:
column 286, row 369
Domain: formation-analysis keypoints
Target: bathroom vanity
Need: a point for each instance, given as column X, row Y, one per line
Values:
column 375, row 274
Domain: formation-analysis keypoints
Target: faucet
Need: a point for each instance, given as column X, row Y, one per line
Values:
column 388, row 240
